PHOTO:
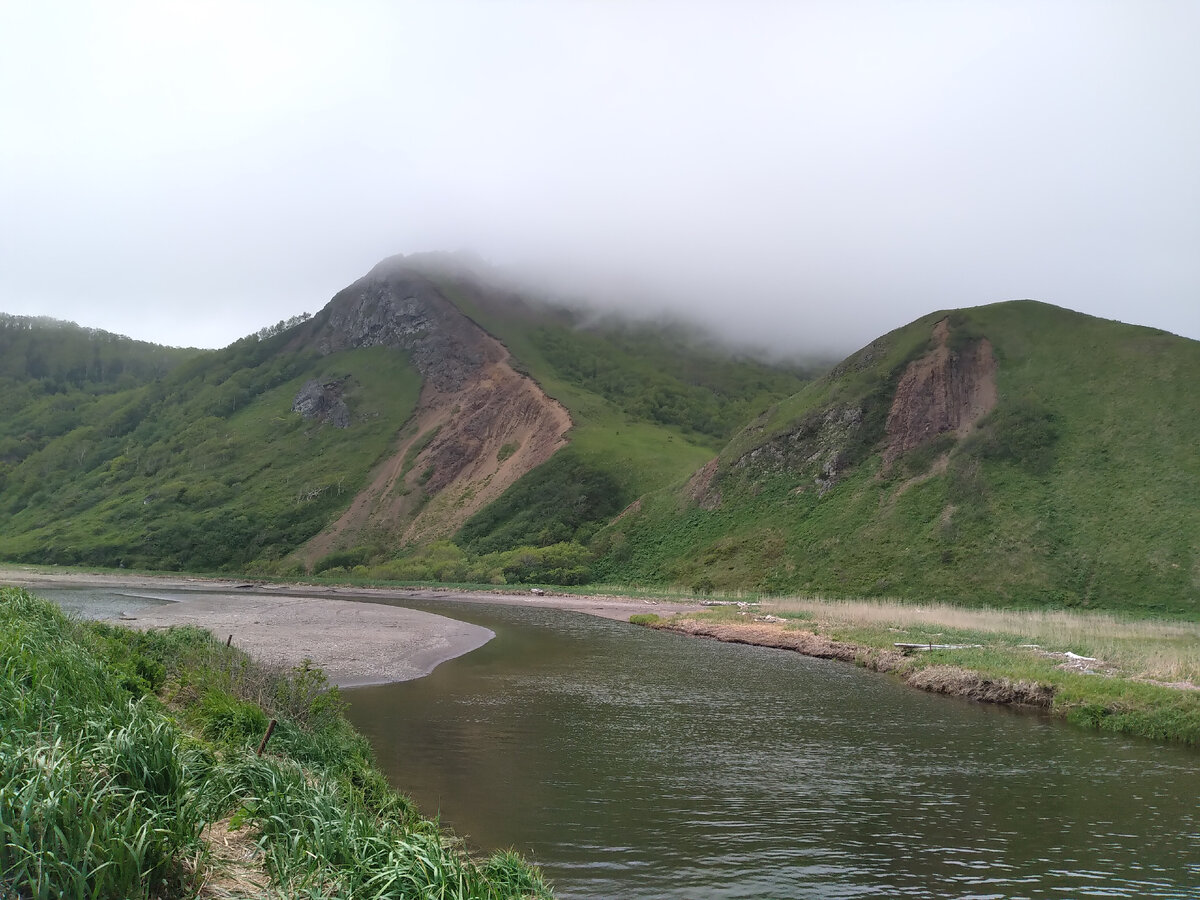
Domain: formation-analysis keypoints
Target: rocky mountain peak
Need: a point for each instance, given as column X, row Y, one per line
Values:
column 395, row 305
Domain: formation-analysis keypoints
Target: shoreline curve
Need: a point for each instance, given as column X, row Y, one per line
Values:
column 353, row 634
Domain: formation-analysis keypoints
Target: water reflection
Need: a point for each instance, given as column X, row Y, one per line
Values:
column 636, row 764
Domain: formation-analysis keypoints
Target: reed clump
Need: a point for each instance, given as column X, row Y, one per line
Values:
column 118, row 748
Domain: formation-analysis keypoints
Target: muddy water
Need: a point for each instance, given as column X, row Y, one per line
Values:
column 635, row 764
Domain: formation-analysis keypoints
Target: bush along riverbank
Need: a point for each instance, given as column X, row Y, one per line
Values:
column 1128, row 676
column 128, row 768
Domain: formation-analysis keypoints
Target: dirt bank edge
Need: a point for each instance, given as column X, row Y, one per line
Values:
column 938, row 679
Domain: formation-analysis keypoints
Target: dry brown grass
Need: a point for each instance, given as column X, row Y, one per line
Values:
column 235, row 868
column 1158, row 650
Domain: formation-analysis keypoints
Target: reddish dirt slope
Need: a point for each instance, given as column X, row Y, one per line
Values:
column 495, row 413
column 940, row 392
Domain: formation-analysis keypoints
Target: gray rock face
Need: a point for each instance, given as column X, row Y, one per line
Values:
column 323, row 401
column 396, row 306
column 816, row 448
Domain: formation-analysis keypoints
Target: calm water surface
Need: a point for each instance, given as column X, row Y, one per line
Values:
column 630, row 763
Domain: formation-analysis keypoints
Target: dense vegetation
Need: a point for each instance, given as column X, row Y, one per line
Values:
column 116, row 458
column 56, row 376
column 563, row 563
column 203, row 468
column 565, row 499
column 665, row 374
column 119, row 749
column 54, row 357
column 1081, row 488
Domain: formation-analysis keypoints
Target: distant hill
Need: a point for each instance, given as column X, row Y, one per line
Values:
column 422, row 399
column 57, row 356
column 1016, row 453
column 56, row 377
column 434, row 422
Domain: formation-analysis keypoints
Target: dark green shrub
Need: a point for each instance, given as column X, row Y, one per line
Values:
column 340, row 559
column 554, row 503
column 563, row 563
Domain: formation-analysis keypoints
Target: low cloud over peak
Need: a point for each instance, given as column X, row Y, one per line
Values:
column 805, row 174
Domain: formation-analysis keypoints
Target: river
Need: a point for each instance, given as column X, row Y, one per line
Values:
column 631, row 763
column 636, row 764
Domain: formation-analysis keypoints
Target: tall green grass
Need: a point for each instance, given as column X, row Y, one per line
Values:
column 117, row 748
column 97, row 788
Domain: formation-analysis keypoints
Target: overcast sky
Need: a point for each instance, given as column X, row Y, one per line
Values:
column 808, row 173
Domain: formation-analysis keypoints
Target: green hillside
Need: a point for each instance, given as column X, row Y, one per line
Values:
column 53, row 373
column 54, row 356
column 651, row 402
column 204, row 468
column 1080, row 488
column 117, row 453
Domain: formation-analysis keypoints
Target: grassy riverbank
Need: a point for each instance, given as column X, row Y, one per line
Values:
column 128, row 769
column 1121, row 674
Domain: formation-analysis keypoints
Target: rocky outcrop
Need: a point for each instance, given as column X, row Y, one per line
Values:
column 819, row 448
column 461, row 451
column 700, row 487
column 396, row 305
column 323, row 401
column 943, row 391
column 948, row 389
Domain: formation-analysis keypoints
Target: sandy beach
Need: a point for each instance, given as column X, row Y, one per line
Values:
column 355, row 643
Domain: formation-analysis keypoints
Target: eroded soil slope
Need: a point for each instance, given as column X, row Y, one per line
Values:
column 942, row 391
column 462, row 451
column 479, row 425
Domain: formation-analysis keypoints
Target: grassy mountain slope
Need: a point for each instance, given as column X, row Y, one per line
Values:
column 1081, row 486
column 650, row 403
column 191, row 460
column 52, row 375
column 207, row 467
